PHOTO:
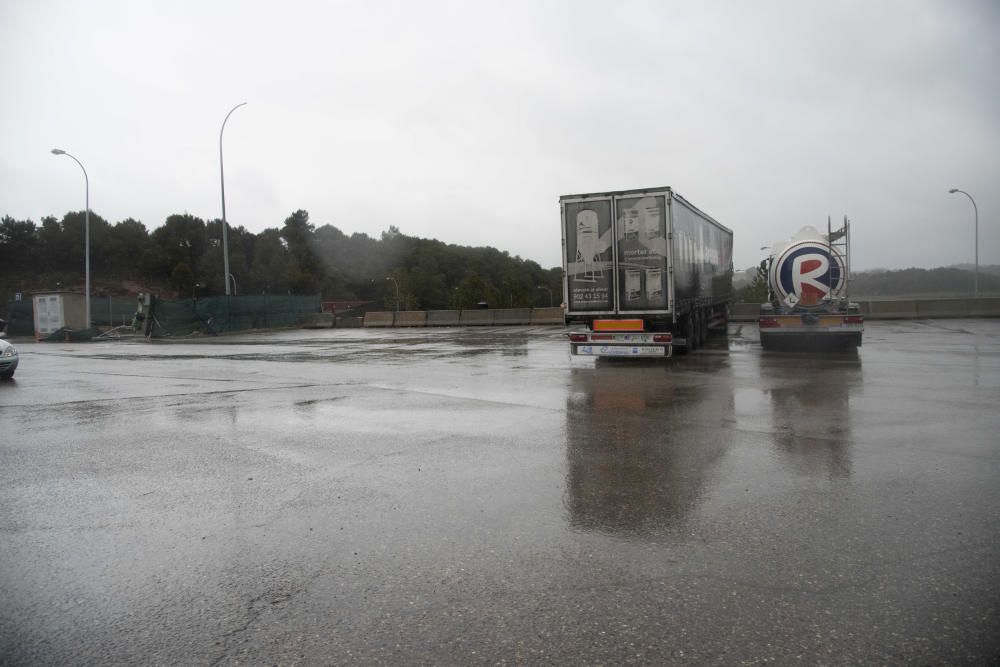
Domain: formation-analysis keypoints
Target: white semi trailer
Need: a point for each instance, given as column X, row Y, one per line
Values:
column 644, row 272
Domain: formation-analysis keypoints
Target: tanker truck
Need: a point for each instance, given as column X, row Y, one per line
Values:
column 808, row 304
column 645, row 272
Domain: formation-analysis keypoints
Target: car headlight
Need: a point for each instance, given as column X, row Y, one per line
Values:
column 10, row 352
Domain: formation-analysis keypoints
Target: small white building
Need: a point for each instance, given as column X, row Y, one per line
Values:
column 55, row 310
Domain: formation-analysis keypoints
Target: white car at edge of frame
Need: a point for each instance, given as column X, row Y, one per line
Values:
column 8, row 360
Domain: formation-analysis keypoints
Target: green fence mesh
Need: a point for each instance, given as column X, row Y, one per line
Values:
column 20, row 318
column 112, row 311
column 221, row 314
column 209, row 315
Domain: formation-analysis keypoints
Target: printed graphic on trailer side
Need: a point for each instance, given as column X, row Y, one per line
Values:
column 642, row 253
column 588, row 254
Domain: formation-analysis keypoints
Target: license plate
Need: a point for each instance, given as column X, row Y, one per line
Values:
column 620, row 350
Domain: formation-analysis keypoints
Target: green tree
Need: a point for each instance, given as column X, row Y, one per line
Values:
column 471, row 290
column 182, row 279
column 19, row 245
column 757, row 290
column 127, row 245
column 270, row 263
column 305, row 270
column 296, row 257
column 182, row 238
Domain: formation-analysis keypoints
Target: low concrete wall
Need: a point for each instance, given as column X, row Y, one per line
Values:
column 543, row 316
column 411, row 318
column 889, row 310
column 744, row 312
column 443, row 318
column 316, row 320
column 347, row 322
column 472, row 318
column 378, row 320
column 875, row 309
column 899, row 309
column 512, row 316
column 985, row 307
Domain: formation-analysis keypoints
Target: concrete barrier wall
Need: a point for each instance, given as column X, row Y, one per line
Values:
column 378, row 319
column 475, row 317
column 472, row 318
column 943, row 308
column 544, row 316
column 894, row 309
column 987, row 307
column 346, row 322
column 443, row 318
column 900, row 309
column 889, row 310
column 512, row 316
column 411, row 318
column 744, row 312
column 316, row 320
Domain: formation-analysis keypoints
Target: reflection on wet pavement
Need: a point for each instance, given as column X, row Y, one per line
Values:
column 637, row 448
column 811, row 412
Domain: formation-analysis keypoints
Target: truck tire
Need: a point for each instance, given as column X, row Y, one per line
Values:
column 691, row 331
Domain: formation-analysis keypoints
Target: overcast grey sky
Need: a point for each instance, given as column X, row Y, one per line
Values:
column 465, row 121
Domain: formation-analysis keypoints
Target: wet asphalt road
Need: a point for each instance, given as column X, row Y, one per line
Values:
column 476, row 496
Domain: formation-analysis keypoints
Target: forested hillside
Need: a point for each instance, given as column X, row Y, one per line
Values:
column 941, row 282
column 945, row 281
column 184, row 255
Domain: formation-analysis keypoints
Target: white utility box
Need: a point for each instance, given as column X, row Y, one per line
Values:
column 55, row 310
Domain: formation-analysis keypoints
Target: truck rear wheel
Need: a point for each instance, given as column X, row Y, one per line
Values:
column 691, row 331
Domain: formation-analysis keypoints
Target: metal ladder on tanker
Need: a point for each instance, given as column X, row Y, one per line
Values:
column 840, row 242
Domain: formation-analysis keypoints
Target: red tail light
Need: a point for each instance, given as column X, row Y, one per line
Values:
column 768, row 322
column 601, row 337
column 578, row 338
column 854, row 319
column 663, row 338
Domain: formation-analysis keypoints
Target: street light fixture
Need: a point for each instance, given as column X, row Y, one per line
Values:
column 86, row 232
column 547, row 290
column 397, row 290
column 222, row 179
column 975, row 279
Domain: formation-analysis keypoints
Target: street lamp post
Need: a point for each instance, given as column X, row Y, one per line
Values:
column 975, row 279
column 547, row 290
column 222, row 180
column 86, row 233
column 397, row 290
